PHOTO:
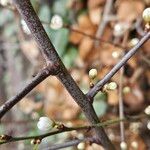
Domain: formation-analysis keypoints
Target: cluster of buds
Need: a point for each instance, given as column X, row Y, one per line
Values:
column 146, row 18
column 110, row 86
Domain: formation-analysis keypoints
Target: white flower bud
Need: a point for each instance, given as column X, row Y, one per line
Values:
column 146, row 15
column 120, row 29
column 135, row 145
column 133, row 42
column 81, row 146
column 56, row 22
column 25, row 27
column 123, row 146
column 126, row 90
column 147, row 110
column 45, row 124
column 148, row 125
column 110, row 86
column 92, row 73
column 4, row 2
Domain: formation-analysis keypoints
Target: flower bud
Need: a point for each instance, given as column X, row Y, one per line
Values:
column 56, row 22
column 110, row 86
column 134, row 145
column 115, row 54
column 81, row 146
column 120, row 29
column 148, row 125
column 45, row 124
column 92, row 73
column 146, row 15
column 4, row 2
column 133, row 42
column 123, row 146
column 126, row 90
column 147, row 110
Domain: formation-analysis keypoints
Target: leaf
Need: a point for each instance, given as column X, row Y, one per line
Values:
column 59, row 39
column 59, row 7
column 100, row 107
column 70, row 56
column 45, row 13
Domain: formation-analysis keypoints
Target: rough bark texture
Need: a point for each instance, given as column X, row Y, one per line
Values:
column 26, row 10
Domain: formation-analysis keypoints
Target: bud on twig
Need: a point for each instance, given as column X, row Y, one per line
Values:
column 147, row 110
column 45, row 124
column 92, row 73
column 146, row 17
column 110, row 86
column 123, row 146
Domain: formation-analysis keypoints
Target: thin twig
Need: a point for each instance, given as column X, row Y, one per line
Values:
column 74, row 142
column 104, row 21
column 121, row 108
column 93, row 91
column 68, row 129
column 42, row 75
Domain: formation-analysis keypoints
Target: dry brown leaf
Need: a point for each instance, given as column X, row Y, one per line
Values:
column 85, row 47
column 95, row 3
column 135, row 98
column 84, row 21
column 129, row 10
column 113, row 98
column 95, row 15
column 75, row 37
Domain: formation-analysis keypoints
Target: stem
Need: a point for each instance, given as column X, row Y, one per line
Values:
column 74, row 142
column 67, row 129
column 93, row 91
column 106, row 14
column 48, row 51
column 121, row 108
column 32, row 84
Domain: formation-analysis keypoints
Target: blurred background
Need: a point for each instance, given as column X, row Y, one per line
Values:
column 92, row 36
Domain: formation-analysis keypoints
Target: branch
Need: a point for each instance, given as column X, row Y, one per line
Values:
column 48, row 51
column 23, row 92
column 92, row 92
column 74, row 142
column 78, row 128
column 105, row 19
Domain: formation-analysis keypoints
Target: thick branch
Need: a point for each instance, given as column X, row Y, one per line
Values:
column 26, row 10
column 92, row 92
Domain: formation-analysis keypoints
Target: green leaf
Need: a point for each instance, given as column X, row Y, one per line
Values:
column 60, row 7
column 45, row 13
column 59, row 39
column 100, row 107
column 70, row 56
